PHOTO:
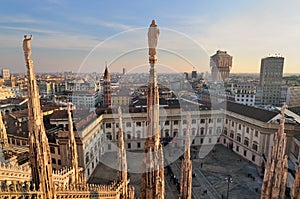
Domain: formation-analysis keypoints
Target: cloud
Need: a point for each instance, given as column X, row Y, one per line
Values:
column 98, row 22
column 17, row 19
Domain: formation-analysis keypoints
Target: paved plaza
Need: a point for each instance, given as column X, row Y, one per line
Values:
column 221, row 163
column 209, row 175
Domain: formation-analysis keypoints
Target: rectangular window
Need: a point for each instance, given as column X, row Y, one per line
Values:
column 176, row 122
column 245, row 153
column 167, row 123
column 253, row 158
column 256, row 134
column 246, row 142
column 219, row 120
column 224, row 141
column 128, row 124
column 59, row 162
column 232, row 123
column 109, row 146
column 53, row 161
column 138, row 145
column 254, row 146
column 129, row 145
column 108, row 125
column 108, row 136
column 237, row 148
column 202, row 121
column 247, row 130
column 240, row 126
column 138, row 124
column 183, row 121
column 193, row 121
column 201, row 141
column 209, row 140
column 52, row 149
column 202, row 131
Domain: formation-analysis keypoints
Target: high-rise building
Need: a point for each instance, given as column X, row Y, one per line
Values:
column 220, row 64
column 293, row 96
column 185, row 75
column 5, row 74
column 271, row 71
column 194, row 74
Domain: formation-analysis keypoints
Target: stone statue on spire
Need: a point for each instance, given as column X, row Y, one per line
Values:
column 26, row 47
column 282, row 110
column 153, row 33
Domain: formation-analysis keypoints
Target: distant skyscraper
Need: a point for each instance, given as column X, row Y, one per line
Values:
column 186, row 75
column 194, row 74
column 5, row 74
column 220, row 64
column 271, row 71
column 124, row 71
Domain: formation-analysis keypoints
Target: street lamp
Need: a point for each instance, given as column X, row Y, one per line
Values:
column 228, row 179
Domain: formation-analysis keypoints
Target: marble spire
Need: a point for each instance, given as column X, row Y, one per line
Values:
column 274, row 182
column 152, row 182
column 39, row 151
column 73, row 156
column 186, row 166
column 122, row 162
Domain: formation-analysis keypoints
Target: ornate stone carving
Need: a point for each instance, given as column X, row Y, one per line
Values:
column 152, row 182
column 274, row 182
column 26, row 47
column 153, row 33
column 186, row 166
column 40, row 159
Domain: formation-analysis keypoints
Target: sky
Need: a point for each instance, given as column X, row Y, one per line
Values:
column 84, row 36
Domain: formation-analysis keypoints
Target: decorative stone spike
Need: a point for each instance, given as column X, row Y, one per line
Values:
column 186, row 166
column 73, row 156
column 3, row 134
column 274, row 181
column 152, row 182
column 122, row 162
column 296, row 186
column 40, row 159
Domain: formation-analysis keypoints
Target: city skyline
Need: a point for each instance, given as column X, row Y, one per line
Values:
column 66, row 32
